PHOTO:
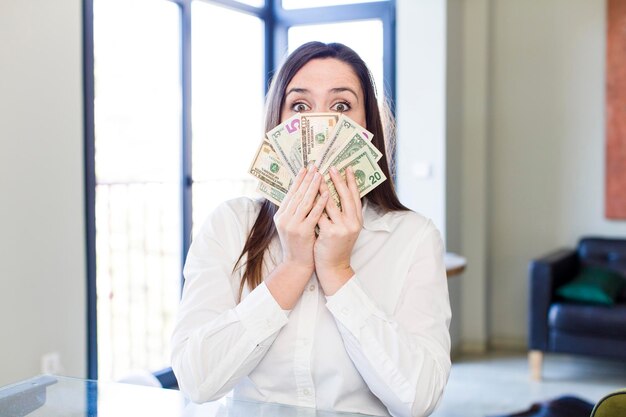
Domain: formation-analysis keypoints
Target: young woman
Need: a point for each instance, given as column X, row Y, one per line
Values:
column 352, row 319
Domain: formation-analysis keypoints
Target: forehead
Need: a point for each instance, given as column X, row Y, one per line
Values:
column 325, row 73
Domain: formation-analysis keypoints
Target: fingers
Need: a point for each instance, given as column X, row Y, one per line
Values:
column 324, row 222
column 331, row 208
column 308, row 199
column 354, row 191
column 299, row 190
column 316, row 212
column 345, row 196
column 294, row 187
column 305, row 204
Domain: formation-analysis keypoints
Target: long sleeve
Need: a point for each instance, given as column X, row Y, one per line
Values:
column 403, row 357
column 216, row 341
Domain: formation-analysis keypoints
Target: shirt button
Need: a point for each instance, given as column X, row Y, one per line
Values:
column 345, row 311
column 306, row 391
column 311, row 287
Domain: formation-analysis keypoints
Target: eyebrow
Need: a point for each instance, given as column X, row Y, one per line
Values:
column 344, row 89
column 297, row 90
column 332, row 90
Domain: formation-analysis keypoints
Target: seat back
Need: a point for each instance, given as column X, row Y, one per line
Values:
column 604, row 252
column 609, row 253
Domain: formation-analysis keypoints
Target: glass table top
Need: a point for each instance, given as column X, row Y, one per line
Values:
column 55, row 396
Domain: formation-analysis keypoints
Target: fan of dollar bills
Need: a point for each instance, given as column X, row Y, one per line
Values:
column 323, row 139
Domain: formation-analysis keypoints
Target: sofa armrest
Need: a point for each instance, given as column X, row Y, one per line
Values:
column 545, row 275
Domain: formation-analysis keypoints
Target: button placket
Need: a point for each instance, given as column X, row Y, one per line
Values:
column 305, row 389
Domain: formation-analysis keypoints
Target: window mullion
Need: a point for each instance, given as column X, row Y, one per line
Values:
column 330, row 14
column 186, row 145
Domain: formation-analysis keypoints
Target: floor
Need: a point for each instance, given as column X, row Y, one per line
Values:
column 499, row 383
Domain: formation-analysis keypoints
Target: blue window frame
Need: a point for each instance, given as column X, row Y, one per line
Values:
column 277, row 22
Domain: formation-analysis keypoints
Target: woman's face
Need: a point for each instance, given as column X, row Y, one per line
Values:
column 325, row 85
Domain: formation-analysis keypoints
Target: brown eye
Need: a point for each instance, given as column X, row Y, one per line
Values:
column 341, row 107
column 299, row 107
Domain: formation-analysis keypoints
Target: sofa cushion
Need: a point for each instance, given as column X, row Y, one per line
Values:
column 613, row 404
column 595, row 320
column 593, row 285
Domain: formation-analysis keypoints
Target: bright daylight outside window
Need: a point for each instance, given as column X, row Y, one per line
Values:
column 227, row 91
column 365, row 37
column 137, row 140
column 138, row 172
column 138, row 115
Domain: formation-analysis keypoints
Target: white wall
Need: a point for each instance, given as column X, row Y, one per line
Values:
column 546, row 143
column 423, row 119
column 42, row 240
column 452, row 140
column 544, row 153
column 421, row 111
column 466, row 150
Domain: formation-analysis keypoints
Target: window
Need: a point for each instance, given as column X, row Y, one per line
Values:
column 167, row 84
column 137, row 113
column 304, row 4
column 227, row 113
column 364, row 36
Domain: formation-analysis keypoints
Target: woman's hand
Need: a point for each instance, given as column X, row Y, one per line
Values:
column 295, row 222
column 297, row 217
column 338, row 233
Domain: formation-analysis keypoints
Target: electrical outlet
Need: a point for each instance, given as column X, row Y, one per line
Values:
column 51, row 363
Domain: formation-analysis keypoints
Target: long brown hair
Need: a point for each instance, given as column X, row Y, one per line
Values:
column 383, row 196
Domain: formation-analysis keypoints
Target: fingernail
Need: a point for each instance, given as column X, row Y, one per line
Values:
column 311, row 167
column 334, row 169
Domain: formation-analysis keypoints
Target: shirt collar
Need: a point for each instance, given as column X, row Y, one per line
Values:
column 374, row 219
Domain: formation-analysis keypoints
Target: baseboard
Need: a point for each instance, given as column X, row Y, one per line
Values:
column 479, row 347
column 508, row 343
column 473, row 347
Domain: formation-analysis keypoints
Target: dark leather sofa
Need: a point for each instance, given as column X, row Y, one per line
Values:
column 559, row 326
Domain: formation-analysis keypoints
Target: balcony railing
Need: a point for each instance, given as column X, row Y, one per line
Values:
column 138, row 274
column 139, row 264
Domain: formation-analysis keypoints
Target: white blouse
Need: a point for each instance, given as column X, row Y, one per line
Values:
column 380, row 345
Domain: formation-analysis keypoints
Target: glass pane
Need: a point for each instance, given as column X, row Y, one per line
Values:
column 137, row 97
column 137, row 141
column 228, row 94
column 365, row 37
column 302, row 4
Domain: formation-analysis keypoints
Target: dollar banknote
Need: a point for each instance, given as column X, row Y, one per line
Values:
column 274, row 178
column 367, row 174
column 323, row 139
column 356, row 143
column 316, row 130
column 346, row 128
column 273, row 194
column 286, row 138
